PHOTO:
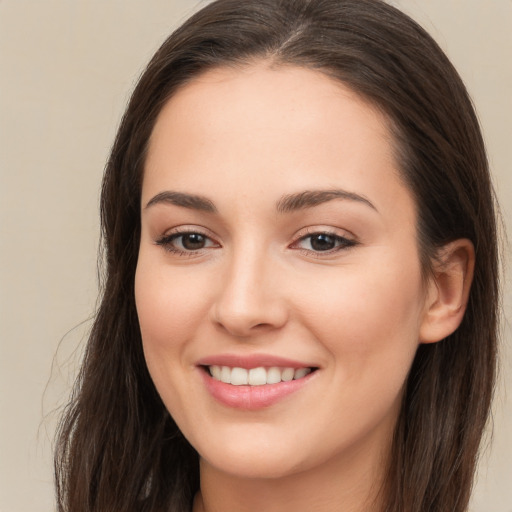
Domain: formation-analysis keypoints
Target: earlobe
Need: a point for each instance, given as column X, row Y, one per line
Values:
column 448, row 290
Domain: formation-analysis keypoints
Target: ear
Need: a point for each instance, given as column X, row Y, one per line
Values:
column 448, row 290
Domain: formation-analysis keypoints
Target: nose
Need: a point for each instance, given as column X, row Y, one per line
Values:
column 250, row 299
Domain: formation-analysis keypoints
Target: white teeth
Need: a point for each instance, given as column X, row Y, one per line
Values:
column 256, row 376
column 239, row 376
column 287, row 374
column 216, row 371
column 225, row 374
column 273, row 375
column 301, row 372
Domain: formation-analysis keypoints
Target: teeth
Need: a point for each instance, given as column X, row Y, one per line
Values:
column 225, row 374
column 216, row 372
column 256, row 376
column 273, row 375
column 239, row 376
column 287, row 374
column 301, row 372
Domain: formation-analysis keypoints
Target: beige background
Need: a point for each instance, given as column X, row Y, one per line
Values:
column 66, row 70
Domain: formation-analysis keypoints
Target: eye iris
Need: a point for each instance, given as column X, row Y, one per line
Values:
column 323, row 242
column 193, row 241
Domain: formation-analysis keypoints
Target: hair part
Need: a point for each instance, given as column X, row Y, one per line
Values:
column 119, row 449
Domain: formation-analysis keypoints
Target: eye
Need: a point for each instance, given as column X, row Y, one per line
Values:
column 186, row 242
column 324, row 242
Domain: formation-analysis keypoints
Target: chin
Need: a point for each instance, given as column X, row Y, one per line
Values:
column 260, row 460
column 255, row 466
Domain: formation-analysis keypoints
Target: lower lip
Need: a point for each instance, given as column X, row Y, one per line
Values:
column 252, row 397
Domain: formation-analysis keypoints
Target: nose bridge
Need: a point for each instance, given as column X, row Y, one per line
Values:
column 249, row 298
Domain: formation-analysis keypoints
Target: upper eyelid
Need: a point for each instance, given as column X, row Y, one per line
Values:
column 315, row 230
column 183, row 230
column 350, row 241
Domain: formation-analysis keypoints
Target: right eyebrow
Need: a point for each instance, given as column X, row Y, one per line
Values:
column 184, row 200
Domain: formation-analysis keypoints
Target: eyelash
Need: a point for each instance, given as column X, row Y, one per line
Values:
column 166, row 242
column 342, row 242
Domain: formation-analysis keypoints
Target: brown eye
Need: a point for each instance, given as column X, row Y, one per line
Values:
column 322, row 242
column 192, row 241
column 186, row 242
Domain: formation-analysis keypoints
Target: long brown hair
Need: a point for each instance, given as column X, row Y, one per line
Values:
column 118, row 447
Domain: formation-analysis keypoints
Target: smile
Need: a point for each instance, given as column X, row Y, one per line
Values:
column 259, row 376
column 256, row 387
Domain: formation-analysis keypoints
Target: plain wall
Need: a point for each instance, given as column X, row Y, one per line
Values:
column 66, row 70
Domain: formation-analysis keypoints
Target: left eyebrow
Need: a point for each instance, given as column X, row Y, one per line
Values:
column 310, row 198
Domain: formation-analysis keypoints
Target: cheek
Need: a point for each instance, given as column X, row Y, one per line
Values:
column 368, row 320
column 168, row 306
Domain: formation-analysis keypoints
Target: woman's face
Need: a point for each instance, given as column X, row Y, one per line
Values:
column 278, row 242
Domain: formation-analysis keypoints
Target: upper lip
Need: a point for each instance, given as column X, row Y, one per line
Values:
column 252, row 361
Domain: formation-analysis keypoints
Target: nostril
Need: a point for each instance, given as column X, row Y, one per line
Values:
column 243, row 324
column 247, row 302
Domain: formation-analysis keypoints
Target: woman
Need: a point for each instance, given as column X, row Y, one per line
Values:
column 300, row 297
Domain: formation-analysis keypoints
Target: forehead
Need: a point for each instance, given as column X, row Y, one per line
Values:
column 265, row 98
column 267, row 127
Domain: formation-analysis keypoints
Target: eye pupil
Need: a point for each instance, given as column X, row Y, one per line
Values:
column 322, row 242
column 193, row 241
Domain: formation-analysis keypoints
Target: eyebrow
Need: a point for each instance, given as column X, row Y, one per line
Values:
column 310, row 198
column 288, row 203
column 184, row 200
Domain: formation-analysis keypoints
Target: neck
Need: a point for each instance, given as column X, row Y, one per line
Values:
column 348, row 485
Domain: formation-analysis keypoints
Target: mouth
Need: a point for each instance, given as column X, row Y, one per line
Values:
column 259, row 376
column 254, row 382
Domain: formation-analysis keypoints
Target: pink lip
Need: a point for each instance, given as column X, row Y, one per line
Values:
column 251, row 361
column 251, row 397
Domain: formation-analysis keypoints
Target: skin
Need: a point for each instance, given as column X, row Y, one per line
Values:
column 245, row 138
